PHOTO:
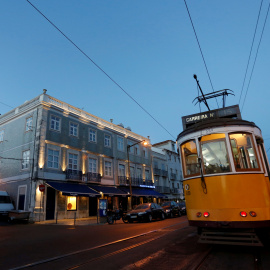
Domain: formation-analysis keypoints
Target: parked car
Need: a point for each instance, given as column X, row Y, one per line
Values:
column 171, row 208
column 146, row 212
column 5, row 203
column 182, row 206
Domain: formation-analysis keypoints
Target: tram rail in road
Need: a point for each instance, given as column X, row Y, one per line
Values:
column 88, row 255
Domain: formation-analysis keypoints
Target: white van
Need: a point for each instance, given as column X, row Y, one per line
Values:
column 5, row 203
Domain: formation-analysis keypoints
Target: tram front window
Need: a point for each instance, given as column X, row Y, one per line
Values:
column 243, row 152
column 190, row 158
column 215, row 157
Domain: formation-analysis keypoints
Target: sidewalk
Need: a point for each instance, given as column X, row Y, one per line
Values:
column 72, row 222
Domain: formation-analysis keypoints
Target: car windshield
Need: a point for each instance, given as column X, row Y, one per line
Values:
column 142, row 206
column 166, row 204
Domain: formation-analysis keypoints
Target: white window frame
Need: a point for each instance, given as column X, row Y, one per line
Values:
column 2, row 133
column 55, row 121
column 73, row 129
column 73, row 163
column 96, row 164
column 108, row 140
column 121, row 169
column 108, row 173
column 29, row 124
column 53, row 158
column 145, row 174
column 120, row 144
column 26, row 160
column 93, row 134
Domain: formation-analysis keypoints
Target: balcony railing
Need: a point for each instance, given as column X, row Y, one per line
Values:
column 73, row 174
column 157, row 171
column 164, row 173
column 79, row 176
column 92, row 177
column 123, row 180
column 175, row 191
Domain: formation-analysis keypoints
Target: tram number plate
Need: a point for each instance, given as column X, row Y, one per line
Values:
column 188, row 192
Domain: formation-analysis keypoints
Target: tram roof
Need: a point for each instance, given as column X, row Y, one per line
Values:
column 217, row 122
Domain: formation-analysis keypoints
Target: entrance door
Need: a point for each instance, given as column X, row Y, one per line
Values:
column 50, row 203
column 92, row 206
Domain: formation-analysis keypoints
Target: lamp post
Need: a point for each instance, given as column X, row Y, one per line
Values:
column 129, row 178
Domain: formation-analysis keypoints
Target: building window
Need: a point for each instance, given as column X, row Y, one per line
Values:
column 131, row 149
column 25, row 159
column 73, row 161
column 137, row 150
column 147, row 175
column 29, row 124
column 121, row 170
column 55, row 123
column 92, row 135
column 107, row 140
column 120, row 143
column 73, row 129
column 53, row 159
column 108, row 168
column 92, row 165
column 71, row 203
column 1, row 135
column 145, row 153
column 139, row 173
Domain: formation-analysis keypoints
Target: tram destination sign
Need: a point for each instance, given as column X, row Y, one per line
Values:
column 227, row 112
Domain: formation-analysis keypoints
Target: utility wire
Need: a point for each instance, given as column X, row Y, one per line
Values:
column 6, row 105
column 256, row 55
column 100, row 69
column 250, row 51
column 200, row 49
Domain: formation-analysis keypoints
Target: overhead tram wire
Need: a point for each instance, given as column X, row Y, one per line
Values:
column 108, row 76
column 250, row 52
column 256, row 55
column 200, row 48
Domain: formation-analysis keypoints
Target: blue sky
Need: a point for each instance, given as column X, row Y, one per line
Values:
column 147, row 46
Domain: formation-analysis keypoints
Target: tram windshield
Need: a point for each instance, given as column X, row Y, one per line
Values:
column 215, row 157
column 190, row 158
column 243, row 151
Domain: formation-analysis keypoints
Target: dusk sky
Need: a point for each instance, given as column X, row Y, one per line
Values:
column 148, row 47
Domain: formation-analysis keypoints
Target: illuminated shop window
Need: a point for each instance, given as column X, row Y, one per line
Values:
column 71, row 203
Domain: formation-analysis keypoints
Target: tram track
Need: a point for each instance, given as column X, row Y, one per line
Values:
column 161, row 232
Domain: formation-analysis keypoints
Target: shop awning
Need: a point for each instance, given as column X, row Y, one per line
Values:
column 144, row 192
column 69, row 189
column 109, row 190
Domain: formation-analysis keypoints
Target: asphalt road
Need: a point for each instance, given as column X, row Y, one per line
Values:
column 22, row 244
column 168, row 244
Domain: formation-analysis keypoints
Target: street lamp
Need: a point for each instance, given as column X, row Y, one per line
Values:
column 129, row 178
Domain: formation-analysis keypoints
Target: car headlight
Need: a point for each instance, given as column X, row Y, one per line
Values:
column 141, row 213
column 168, row 210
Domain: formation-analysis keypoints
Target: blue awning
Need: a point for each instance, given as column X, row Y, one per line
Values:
column 144, row 192
column 109, row 190
column 69, row 189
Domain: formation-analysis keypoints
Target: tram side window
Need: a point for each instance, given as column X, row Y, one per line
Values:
column 243, row 151
column 215, row 157
column 190, row 158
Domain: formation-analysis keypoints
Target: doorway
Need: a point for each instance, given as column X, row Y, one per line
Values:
column 50, row 203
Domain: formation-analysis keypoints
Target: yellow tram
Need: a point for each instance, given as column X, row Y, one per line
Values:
column 225, row 171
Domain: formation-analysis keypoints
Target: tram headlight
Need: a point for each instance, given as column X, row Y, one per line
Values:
column 253, row 214
column 206, row 214
column 199, row 214
column 243, row 214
